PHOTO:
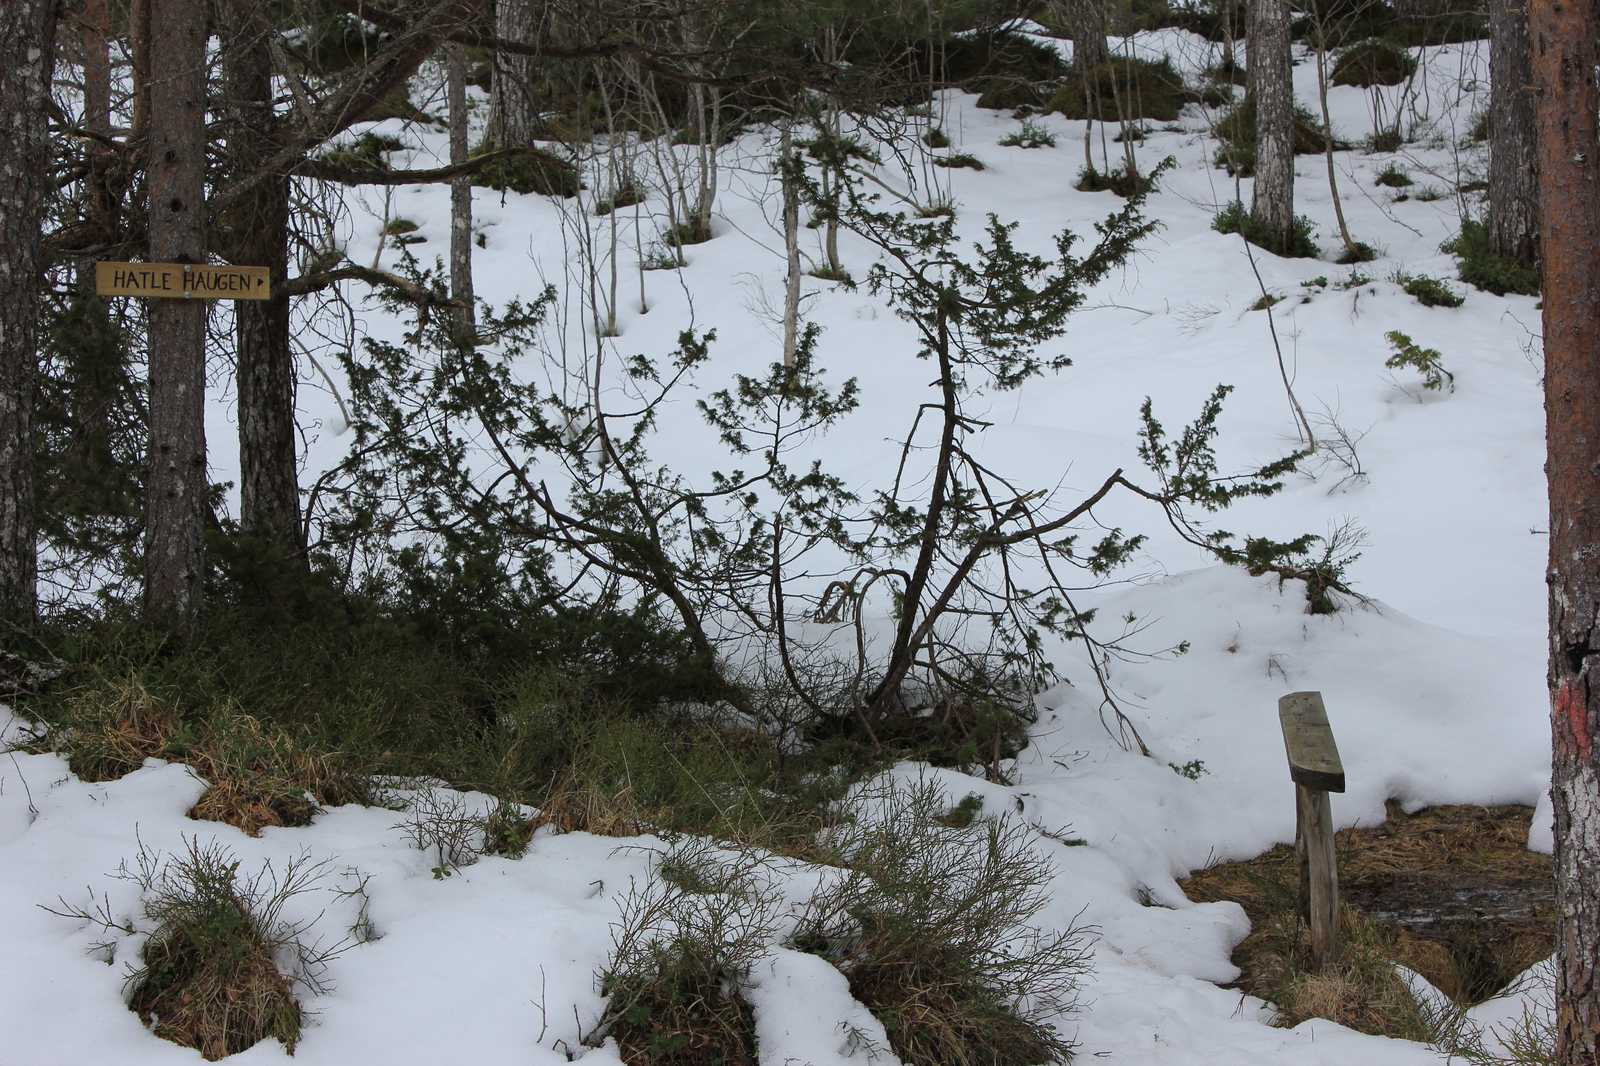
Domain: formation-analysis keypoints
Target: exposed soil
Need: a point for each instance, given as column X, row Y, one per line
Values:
column 1464, row 901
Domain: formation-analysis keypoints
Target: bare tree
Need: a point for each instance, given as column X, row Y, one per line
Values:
column 177, row 488
column 1272, row 204
column 1564, row 51
column 1513, row 216
column 27, row 55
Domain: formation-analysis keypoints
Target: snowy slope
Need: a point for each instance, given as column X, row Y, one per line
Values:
column 1435, row 689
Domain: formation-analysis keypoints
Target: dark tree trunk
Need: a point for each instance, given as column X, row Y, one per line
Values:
column 27, row 56
column 1272, row 206
column 269, row 489
column 1086, row 22
column 176, row 491
column 512, row 115
column 1564, row 38
column 460, row 194
column 1513, row 177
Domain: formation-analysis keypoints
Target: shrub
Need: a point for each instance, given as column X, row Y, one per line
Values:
column 959, row 161
column 1372, row 62
column 208, row 976
column 528, row 170
column 930, row 926
column 1425, row 361
column 936, row 138
column 683, row 947
column 1389, row 140
column 625, row 195
column 1429, row 292
column 1481, row 268
column 1235, row 219
column 1147, row 89
column 1122, row 181
column 1029, row 135
column 1360, row 252
column 1393, row 177
column 1236, row 137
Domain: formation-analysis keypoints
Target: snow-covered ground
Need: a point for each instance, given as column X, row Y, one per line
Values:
column 1435, row 689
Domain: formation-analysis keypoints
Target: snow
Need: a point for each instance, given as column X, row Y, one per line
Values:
column 1435, row 689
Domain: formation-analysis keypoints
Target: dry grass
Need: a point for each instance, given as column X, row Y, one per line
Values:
column 256, row 775
column 1450, row 892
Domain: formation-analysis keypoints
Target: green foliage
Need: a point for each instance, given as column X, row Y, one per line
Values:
column 1194, row 769
column 1146, row 88
column 1236, row 137
column 1388, row 140
column 932, row 925
column 936, row 138
column 1393, row 176
column 1372, row 62
column 1481, row 268
column 1298, row 245
column 527, row 170
column 1427, row 362
column 1361, row 252
column 1029, row 135
column 958, row 161
column 1122, row 181
column 1186, row 471
column 1429, row 292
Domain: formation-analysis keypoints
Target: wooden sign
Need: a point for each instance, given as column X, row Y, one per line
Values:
column 183, row 281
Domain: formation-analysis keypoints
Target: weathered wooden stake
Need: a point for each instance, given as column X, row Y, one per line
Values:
column 1316, row 770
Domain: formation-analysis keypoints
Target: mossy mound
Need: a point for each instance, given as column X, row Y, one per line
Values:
column 1146, row 89
column 1372, row 62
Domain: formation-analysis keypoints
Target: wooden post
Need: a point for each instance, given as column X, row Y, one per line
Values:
column 1316, row 770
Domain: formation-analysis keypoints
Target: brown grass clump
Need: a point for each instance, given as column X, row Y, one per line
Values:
column 684, row 946
column 931, row 926
column 208, row 976
column 259, row 776
column 115, row 728
column 1449, row 892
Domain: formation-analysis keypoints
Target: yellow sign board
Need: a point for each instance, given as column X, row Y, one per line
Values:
column 183, row 281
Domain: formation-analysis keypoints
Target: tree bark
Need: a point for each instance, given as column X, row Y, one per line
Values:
column 176, row 490
column 1085, row 20
column 27, row 58
column 1513, row 215
column 1564, row 34
column 788, row 162
column 1272, row 204
column 460, row 193
column 269, row 487
column 512, row 116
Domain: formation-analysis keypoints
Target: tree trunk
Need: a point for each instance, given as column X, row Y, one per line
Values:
column 27, row 58
column 1272, row 206
column 460, row 194
column 1564, row 55
column 1085, row 20
column 512, row 115
column 139, row 52
column 788, row 162
column 269, row 485
column 176, row 504
column 1513, row 178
